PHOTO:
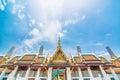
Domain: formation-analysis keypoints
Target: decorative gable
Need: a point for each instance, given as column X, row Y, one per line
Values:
column 59, row 57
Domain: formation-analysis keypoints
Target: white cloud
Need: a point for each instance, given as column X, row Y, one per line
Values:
column 99, row 44
column 1, row 6
column 4, row 2
column 20, row 14
column 83, row 17
column 70, row 21
column 12, row 1
column 64, row 31
column 60, row 34
column 40, row 25
column 104, row 54
column 36, row 36
column 108, row 34
column 16, row 8
column 49, row 32
column 52, row 16
column 32, row 22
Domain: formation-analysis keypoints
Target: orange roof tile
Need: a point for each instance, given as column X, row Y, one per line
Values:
column 89, row 57
column 78, row 59
column 23, row 62
column 2, row 63
column 8, row 71
column 28, row 57
column 39, row 60
column 116, row 63
column 117, row 70
column 1, row 70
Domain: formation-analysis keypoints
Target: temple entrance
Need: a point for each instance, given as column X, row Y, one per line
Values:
column 58, row 74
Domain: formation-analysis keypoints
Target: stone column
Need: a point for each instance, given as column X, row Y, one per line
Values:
column 103, row 73
column 68, row 74
column 12, row 74
column 114, row 74
column 37, row 74
column 3, row 73
column 18, row 77
column 80, row 74
column 50, row 73
column 99, row 76
column 27, row 73
column 90, row 73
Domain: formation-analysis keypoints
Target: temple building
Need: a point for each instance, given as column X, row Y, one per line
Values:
column 59, row 66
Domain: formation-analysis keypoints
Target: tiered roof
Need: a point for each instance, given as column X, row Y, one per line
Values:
column 3, row 60
column 86, row 58
column 38, row 61
column 116, row 63
column 78, row 59
column 26, row 59
column 89, row 57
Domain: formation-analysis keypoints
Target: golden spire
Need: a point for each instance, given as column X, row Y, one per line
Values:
column 59, row 45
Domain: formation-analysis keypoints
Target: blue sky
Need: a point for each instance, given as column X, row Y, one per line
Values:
column 90, row 24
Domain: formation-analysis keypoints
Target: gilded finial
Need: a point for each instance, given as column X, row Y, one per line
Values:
column 59, row 41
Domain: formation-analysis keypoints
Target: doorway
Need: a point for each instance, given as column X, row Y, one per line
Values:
column 58, row 74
